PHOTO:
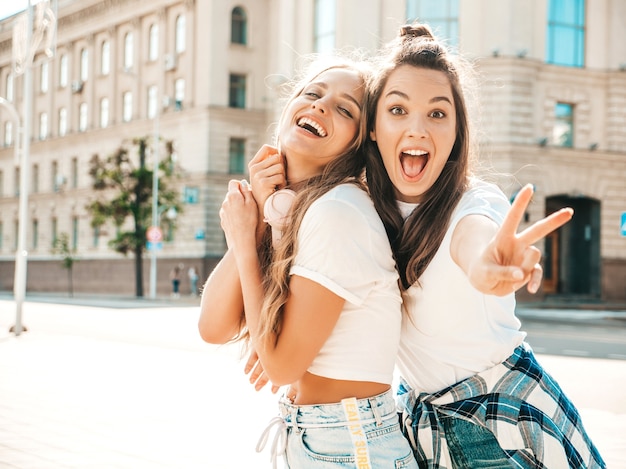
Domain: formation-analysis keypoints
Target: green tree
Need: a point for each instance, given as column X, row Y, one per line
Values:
column 124, row 183
column 62, row 246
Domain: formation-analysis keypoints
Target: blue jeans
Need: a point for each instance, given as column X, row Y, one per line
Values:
column 473, row 446
column 322, row 436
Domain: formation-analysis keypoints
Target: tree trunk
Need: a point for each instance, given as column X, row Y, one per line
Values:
column 139, row 271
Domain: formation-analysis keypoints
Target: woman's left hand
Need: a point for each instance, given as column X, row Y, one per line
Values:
column 510, row 260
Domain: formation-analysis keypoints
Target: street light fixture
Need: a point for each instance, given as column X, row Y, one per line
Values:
column 28, row 33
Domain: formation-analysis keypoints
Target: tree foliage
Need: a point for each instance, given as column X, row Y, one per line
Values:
column 123, row 182
column 61, row 246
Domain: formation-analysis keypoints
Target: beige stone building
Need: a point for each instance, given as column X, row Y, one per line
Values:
column 207, row 73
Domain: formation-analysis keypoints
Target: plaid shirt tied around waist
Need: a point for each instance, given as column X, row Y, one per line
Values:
column 536, row 425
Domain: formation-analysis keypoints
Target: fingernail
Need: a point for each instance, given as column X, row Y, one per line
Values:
column 245, row 184
column 518, row 275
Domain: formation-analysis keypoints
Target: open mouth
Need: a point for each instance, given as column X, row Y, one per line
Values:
column 312, row 126
column 413, row 162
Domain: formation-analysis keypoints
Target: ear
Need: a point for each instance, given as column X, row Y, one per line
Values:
column 373, row 135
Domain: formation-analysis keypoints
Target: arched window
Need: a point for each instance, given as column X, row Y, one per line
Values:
column 238, row 26
column 180, row 34
column 128, row 51
column 105, row 58
column 84, row 65
column 153, row 45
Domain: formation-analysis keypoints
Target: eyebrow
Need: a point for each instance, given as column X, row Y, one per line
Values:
column 348, row 96
column 436, row 99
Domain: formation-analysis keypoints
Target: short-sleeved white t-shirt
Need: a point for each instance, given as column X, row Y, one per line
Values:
column 451, row 330
column 342, row 245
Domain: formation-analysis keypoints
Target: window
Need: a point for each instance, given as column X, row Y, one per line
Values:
column 128, row 51
column 63, row 71
column 9, row 87
column 54, row 168
column 16, row 182
column 16, row 233
column 1, row 183
column 441, row 15
column 74, row 233
column 237, row 92
column 104, row 112
column 82, row 117
column 105, row 58
column 325, row 26
column 179, row 93
column 153, row 47
column 191, row 194
column 74, row 173
column 54, row 233
column 35, row 187
column 35, row 233
column 563, row 132
column 8, row 133
column 565, row 39
column 180, row 34
column 236, row 156
column 62, row 122
column 43, row 126
column 96, row 236
column 84, row 65
column 238, row 26
column 152, row 101
column 127, row 106
column 43, row 84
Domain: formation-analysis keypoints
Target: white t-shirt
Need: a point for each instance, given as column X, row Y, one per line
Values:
column 342, row 245
column 453, row 331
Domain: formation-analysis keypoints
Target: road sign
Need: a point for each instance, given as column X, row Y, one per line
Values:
column 623, row 224
column 154, row 234
column 152, row 246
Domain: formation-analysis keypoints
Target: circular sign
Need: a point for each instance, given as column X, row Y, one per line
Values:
column 154, row 234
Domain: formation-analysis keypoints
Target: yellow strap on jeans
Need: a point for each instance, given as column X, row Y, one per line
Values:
column 359, row 440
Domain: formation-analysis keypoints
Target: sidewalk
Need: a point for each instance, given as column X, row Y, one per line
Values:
column 130, row 385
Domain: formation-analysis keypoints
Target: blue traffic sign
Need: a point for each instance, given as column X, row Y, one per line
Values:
column 623, row 224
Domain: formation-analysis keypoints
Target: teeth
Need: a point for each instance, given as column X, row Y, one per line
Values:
column 416, row 152
column 318, row 128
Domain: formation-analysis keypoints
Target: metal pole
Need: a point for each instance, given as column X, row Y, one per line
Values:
column 19, row 283
column 155, row 200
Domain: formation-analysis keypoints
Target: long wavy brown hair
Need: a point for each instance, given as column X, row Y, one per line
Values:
column 416, row 240
column 348, row 167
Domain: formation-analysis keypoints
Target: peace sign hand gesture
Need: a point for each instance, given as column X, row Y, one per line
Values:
column 509, row 260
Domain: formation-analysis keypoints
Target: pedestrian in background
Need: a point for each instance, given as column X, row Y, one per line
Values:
column 193, row 280
column 175, row 278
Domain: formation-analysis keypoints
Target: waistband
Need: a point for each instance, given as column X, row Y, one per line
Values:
column 367, row 410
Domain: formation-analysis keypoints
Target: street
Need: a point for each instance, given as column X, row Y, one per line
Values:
column 134, row 388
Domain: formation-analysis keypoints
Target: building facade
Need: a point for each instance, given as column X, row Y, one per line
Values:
column 207, row 74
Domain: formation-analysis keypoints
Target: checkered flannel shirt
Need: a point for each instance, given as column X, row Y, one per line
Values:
column 536, row 425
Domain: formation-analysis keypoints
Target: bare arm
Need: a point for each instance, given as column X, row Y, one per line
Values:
column 497, row 260
column 286, row 357
column 221, row 305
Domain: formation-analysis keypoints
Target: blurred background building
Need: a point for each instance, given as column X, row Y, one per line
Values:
column 207, row 74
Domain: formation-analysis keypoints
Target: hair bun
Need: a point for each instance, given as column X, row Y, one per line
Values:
column 416, row 30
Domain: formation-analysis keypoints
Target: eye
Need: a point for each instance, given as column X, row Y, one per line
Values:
column 312, row 94
column 438, row 114
column 396, row 111
column 345, row 111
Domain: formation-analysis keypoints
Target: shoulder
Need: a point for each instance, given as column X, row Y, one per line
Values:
column 484, row 198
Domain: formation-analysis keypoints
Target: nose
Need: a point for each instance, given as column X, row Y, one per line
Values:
column 319, row 105
column 417, row 127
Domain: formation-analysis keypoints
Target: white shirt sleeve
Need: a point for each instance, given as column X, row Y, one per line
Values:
column 335, row 249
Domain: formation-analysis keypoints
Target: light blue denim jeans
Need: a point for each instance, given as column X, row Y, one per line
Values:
column 326, row 437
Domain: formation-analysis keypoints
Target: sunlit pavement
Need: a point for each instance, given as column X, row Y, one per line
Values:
column 115, row 387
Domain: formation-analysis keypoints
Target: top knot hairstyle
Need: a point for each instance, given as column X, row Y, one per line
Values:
column 416, row 240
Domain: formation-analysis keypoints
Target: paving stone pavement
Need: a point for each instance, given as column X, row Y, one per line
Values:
column 120, row 387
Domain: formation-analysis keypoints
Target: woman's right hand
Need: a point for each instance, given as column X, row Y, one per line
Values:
column 238, row 216
column 267, row 174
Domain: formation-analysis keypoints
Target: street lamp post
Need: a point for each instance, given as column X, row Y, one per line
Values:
column 25, row 45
